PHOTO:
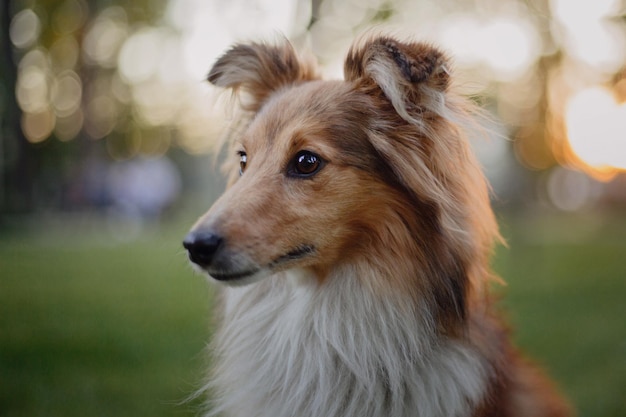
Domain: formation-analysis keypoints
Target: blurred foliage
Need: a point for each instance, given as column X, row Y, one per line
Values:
column 91, row 83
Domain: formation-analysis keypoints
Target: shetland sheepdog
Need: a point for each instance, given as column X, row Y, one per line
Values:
column 353, row 243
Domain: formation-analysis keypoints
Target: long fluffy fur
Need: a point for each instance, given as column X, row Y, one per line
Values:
column 367, row 283
column 337, row 350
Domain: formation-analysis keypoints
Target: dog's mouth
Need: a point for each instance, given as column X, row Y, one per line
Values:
column 300, row 252
column 251, row 273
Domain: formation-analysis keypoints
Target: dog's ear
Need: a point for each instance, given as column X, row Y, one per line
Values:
column 413, row 76
column 260, row 69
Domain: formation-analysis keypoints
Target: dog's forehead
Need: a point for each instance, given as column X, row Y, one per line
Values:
column 312, row 97
column 318, row 109
column 307, row 102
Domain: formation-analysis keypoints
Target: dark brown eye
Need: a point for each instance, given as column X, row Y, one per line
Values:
column 305, row 164
column 243, row 160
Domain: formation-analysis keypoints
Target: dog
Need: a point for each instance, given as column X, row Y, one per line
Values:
column 353, row 243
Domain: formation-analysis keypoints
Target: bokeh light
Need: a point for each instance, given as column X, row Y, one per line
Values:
column 140, row 55
column 25, row 29
column 104, row 37
column 570, row 190
column 596, row 128
column 32, row 89
column 66, row 93
column 37, row 126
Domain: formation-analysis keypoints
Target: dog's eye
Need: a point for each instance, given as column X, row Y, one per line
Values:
column 243, row 160
column 305, row 164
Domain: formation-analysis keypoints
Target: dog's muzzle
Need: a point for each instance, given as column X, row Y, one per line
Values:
column 211, row 253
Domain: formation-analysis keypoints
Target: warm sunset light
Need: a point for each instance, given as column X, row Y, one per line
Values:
column 596, row 129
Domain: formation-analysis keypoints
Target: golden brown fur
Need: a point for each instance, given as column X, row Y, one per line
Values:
column 398, row 206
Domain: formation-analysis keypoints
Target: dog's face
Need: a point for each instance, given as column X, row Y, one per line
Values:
column 330, row 170
column 307, row 188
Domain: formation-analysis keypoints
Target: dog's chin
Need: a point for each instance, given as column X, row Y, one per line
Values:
column 238, row 278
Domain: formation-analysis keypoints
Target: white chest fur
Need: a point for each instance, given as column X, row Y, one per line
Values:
column 288, row 347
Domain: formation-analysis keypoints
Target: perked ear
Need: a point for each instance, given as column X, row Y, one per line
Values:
column 260, row 69
column 413, row 76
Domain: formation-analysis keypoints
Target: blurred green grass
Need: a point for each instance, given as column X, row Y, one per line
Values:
column 94, row 326
column 90, row 325
column 566, row 299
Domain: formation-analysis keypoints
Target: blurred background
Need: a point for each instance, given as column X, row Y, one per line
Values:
column 107, row 156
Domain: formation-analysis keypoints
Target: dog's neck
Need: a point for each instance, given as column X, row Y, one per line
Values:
column 291, row 346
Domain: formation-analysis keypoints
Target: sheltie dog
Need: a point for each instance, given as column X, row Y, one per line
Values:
column 354, row 243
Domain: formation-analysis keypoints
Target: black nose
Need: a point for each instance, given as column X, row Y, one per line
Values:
column 202, row 247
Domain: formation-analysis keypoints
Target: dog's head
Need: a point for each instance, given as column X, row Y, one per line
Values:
column 375, row 166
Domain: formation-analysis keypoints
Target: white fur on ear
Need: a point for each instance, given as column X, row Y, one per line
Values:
column 413, row 76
